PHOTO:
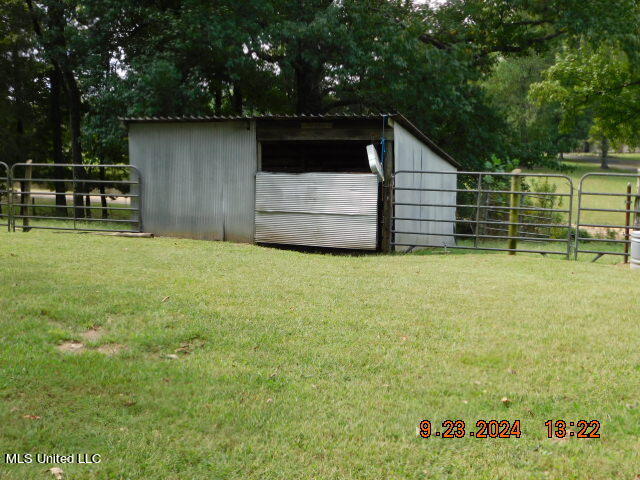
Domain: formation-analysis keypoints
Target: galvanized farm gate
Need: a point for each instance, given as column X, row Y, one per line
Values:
column 79, row 201
column 485, row 210
column 605, row 236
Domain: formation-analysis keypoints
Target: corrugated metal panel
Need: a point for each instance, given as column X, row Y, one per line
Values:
column 319, row 230
column 198, row 180
column 338, row 210
column 240, row 166
column 337, row 193
column 412, row 154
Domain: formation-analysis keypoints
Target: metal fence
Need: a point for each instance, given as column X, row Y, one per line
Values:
column 91, row 198
column 508, row 212
column 612, row 211
column 5, row 197
column 486, row 211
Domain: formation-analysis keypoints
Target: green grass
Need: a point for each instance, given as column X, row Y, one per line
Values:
column 559, row 247
column 630, row 157
column 309, row 365
column 627, row 157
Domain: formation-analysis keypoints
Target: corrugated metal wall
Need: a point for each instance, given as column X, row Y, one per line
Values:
column 198, row 178
column 411, row 154
column 337, row 210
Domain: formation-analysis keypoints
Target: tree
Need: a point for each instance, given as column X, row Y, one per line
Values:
column 451, row 68
column 535, row 133
column 318, row 49
column 23, row 92
column 599, row 136
column 51, row 21
column 518, row 27
column 602, row 82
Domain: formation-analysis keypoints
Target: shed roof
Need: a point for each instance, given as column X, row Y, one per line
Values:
column 401, row 119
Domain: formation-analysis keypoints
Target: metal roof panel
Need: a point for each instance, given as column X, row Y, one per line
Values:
column 401, row 119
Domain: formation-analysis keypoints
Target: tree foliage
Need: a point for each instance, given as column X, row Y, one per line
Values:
column 23, row 90
column 537, row 133
column 602, row 82
column 456, row 68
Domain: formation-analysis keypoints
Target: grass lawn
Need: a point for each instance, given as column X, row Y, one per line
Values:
column 628, row 157
column 209, row 360
column 561, row 248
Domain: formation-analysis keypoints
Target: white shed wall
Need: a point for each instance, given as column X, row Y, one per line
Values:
column 198, row 179
column 411, row 154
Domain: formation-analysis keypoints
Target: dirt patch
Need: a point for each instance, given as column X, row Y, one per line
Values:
column 189, row 347
column 93, row 334
column 111, row 349
column 602, row 232
column 71, row 347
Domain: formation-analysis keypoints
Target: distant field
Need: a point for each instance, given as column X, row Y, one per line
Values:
column 178, row 359
column 628, row 160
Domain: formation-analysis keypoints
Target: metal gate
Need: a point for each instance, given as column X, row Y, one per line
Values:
column 485, row 211
column 605, row 217
column 91, row 198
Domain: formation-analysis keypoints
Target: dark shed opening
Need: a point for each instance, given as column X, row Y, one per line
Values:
column 315, row 156
column 316, row 145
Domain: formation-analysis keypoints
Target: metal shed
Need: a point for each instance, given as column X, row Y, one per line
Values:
column 292, row 180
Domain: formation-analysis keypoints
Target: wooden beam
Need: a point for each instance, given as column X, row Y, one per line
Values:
column 317, row 133
column 26, row 196
column 514, row 214
column 387, row 200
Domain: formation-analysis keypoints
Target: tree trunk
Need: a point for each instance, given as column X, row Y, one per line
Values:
column 308, row 89
column 237, row 99
column 604, row 153
column 55, row 78
column 88, row 205
column 20, row 159
column 57, row 47
column 218, row 101
column 75, row 119
column 103, row 191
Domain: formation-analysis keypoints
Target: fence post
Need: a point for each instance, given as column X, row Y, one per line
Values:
column 627, row 223
column 9, row 187
column 636, row 219
column 478, row 205
column 26, row 196
column 514, row 214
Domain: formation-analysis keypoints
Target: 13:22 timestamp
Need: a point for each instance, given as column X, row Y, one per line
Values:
column 560, row 429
